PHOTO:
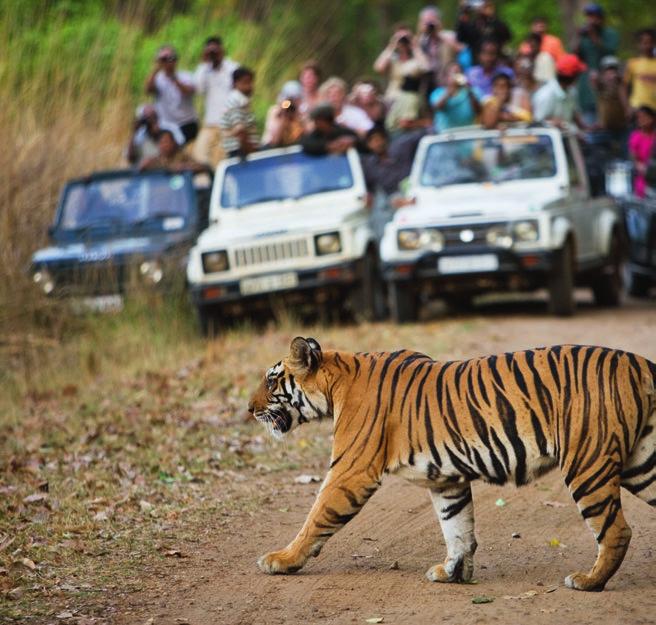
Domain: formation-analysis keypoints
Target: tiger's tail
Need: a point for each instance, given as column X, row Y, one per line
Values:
column 639, row 475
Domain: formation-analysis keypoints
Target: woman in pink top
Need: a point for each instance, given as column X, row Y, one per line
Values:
column 641, row 146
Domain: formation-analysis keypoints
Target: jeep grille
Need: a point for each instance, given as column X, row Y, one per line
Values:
column 271, row 252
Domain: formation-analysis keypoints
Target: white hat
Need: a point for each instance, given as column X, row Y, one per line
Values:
column 291, row 90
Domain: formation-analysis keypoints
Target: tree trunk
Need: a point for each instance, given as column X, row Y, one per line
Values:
column 570, row 11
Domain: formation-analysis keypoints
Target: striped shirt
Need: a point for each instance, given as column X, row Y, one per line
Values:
column 237, row 117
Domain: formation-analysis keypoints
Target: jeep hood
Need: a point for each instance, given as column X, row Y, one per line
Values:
column 281, row 218
column 486, row 201
column 104, row 250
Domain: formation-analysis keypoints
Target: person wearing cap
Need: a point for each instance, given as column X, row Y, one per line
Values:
column 213, row 78
column 284, row 125
column 556, row 100
column 327, row 137
column 174, row 93
column 171, row 157
column 611, row 128
column 365, row 95
column 596, row 40
column 640, row 75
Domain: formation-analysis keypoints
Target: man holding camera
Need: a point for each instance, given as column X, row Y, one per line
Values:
column 213, row 79
column 174, row 93
column 439, row 46
column 596, row 40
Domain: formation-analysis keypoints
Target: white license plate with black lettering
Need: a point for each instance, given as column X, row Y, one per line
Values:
column 267, row 284
column 468, row 264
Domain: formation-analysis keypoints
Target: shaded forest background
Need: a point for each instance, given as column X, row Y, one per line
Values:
column 72, row 71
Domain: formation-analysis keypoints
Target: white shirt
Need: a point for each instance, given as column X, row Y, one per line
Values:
column 551, row 102
column 354, row 118
column 171, row 104
column 215, row 84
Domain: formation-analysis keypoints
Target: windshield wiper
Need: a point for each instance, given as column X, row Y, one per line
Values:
column 113, row 222
column 154, row 217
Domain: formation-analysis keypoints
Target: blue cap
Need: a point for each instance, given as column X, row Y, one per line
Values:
column 592, row 8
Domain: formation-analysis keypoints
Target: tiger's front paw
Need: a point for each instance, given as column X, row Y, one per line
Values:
column 581, row 581
column 280, row 562
column 453, row 570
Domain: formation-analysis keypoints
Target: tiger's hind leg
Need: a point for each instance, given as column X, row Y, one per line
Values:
column 639, row 476
column 455, row 510
column 598, row 499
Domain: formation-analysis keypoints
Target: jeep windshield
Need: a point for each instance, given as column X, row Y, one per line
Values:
column 488, row 160
column 157, row 200
column 282, row 177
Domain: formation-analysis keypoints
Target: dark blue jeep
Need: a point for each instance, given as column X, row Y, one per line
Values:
column 120, row 230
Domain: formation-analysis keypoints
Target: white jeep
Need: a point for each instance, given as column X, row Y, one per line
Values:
column 286, row 224
column 501, row 210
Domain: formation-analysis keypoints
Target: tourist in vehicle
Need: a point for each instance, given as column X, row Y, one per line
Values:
column 596, row 40
column 439, row 46
column 213, row 80
column 365, row 95
column 456, row 104
column 556, row 100
column 498, row 108
column 548, row 43
column 525, row 84
column 174, row 93
column 145, row 134
column 240, row 135
column 544, row 65
column 478, row 23
column 642, row 149
column 327, row 137
column 284, row 125
column 171, row 157
column 612, row 125
column 334, row 91
column 640, row 75
column 310, row 79
column 481, row 75
column 389, row 161
column 403, row 62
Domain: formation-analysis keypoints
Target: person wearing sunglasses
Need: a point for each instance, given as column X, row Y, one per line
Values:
column 174, row 92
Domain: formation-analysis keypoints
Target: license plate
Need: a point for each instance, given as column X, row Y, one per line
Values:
column 266, row 284
column 468, row 264
column 99, row 303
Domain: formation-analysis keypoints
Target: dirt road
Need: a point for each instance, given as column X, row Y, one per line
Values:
column 374, row 568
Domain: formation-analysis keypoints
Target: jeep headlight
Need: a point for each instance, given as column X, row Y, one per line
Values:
column 328, row 243
column 526, row 231
column 213, row 262
column 418, row 238
column 499, row 236
column 151, row 271
column 44, row 279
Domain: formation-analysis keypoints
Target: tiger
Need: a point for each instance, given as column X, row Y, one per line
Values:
column 591, row 411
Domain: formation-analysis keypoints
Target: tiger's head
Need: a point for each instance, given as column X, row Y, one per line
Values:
column 290, row 394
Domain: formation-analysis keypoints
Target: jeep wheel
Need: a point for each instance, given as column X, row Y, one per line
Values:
column 368, row 300
column 607, row 286
column 208, row 320
column 638, row 284
column 561, row 283
column 403, row 302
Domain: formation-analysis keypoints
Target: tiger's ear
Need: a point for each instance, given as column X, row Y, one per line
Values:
column 304, row 356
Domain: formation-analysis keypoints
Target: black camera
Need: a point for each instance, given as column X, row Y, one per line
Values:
column 405, row 40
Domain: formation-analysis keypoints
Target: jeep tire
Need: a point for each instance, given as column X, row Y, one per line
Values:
column 561, row 283
column 638, row 284
column 403, row 302
column 607, row 286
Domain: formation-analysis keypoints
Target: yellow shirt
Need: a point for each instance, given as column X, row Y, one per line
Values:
column 641, row 75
